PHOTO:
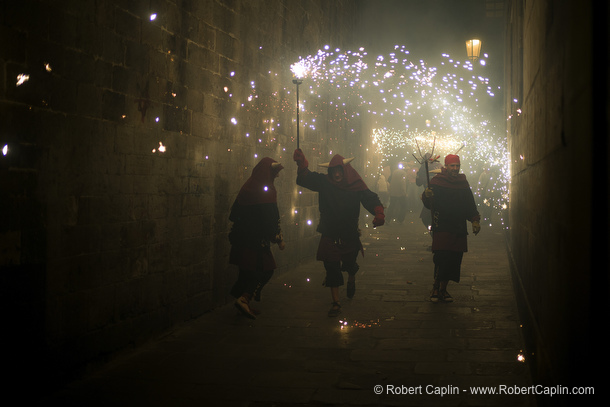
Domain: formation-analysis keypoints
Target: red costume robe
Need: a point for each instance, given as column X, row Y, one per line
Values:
column 339, row 205
column 452, row 205
column 256, row 218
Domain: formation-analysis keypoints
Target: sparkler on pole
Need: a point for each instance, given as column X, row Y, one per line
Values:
column 458, row 150
column 425, row 160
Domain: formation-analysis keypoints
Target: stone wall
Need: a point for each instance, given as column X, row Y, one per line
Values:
column 127, row 145
column 553, row 128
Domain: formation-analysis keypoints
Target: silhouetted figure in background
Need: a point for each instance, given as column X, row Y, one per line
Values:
column 452, row 204
column 340, row 193
column 413, row 195
column 256, row 224
column 382, row 189
column 398, row 194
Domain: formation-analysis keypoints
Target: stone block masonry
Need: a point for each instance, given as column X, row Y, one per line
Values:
column 128, row 138
column 556, row 207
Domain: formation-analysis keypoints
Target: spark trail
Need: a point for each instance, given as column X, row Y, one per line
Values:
column 412, row 103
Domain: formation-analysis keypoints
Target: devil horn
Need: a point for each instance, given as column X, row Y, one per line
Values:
column 345, row 161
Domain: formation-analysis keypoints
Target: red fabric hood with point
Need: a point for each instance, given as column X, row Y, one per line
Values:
column 259, row 187
column 351, row 179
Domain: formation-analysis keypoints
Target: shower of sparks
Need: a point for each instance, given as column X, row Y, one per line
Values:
column 407, row 104
column 412, row 106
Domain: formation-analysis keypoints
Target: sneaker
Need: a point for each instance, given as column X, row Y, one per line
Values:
column 351, row 289
column 334, row 310
column 445, row 296
column 242, row 305
column 434, row 296
column 255, row 311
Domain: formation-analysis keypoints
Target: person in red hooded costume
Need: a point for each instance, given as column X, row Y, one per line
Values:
column 340, row 193
column 256, row 224
column 452, row 204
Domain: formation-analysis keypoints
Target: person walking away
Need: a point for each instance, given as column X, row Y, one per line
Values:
column 256, row 225
column 398, row 194
column 413, row 200
column 452, row 204
column 382, row 189
column 340, row 193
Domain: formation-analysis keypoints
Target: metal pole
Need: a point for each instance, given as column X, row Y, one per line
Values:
column 297, row 82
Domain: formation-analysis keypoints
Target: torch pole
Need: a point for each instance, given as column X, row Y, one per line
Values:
column 298, row 82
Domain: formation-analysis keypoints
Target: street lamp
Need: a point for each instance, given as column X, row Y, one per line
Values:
column 297, row 82
column 473, row 48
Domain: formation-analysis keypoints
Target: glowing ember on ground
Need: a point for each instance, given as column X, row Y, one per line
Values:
column 344, row 324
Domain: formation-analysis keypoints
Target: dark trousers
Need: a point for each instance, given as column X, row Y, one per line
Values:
column 251, row 282
column 334, row 275
column 447, row 265
column 398, row 208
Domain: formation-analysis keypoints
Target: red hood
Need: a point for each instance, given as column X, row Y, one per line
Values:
column 259, row 187
column 351, row 179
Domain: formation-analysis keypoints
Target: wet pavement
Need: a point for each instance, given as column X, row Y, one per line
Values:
column 390, row 346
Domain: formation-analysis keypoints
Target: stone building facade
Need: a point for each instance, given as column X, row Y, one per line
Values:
column 130, row 127
column 557, row 109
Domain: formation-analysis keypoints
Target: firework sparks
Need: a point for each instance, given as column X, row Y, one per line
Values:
column 407, row 101
column 21, row 79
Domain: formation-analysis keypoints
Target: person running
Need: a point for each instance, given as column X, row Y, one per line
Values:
column 340, row 193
